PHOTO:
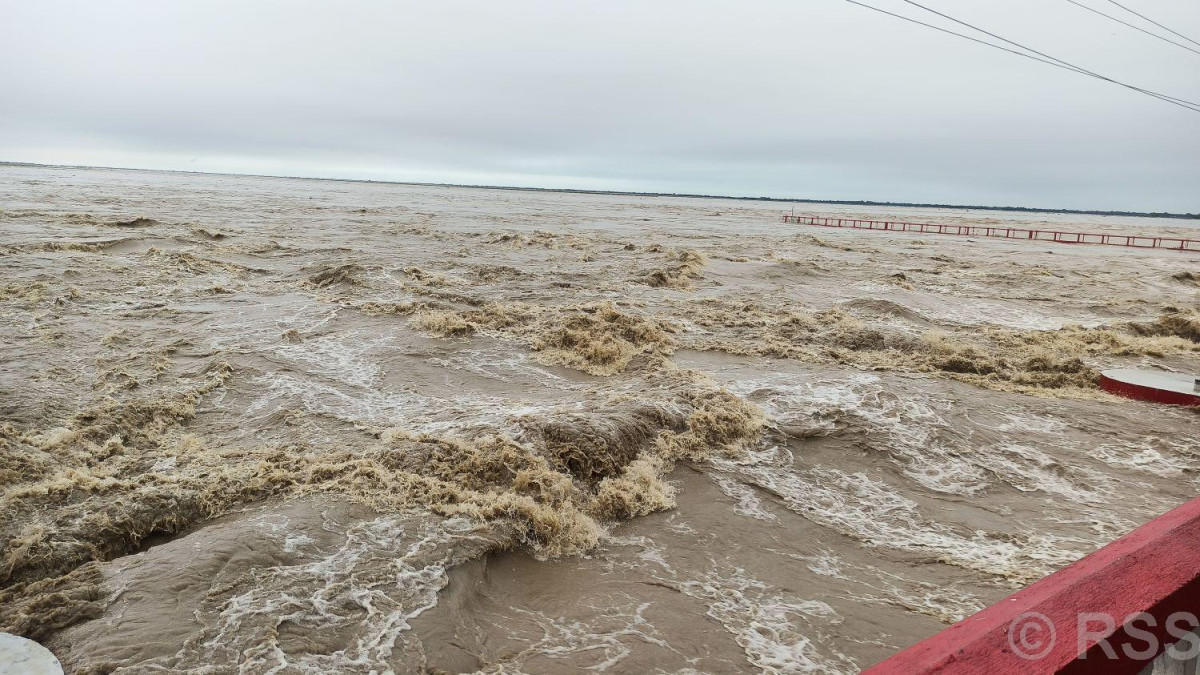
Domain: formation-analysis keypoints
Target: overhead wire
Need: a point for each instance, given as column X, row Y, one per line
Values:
column 1177, row 34
column 1137, row 28
column 1184, row 102
column 1028, row 52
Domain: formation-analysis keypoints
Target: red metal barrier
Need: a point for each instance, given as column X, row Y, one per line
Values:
column 1154, row 386
column 1112, row 612
column 1132, row 241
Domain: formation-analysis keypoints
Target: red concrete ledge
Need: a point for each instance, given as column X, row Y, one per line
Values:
column 1154, row 569
column 1151, row 385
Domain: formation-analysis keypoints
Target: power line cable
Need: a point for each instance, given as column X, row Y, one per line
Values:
column 1137, row 28
column 1179, row 102
column 1191, row 105
column 1052, row 58
column 1155, row 23
column 961, row 35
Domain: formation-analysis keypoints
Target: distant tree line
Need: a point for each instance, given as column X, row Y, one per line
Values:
column 1017, row 209
column 839, row 202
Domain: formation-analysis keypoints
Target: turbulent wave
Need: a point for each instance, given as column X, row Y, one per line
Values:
column 334, row 431
column 124, row 473
column 1043, row 362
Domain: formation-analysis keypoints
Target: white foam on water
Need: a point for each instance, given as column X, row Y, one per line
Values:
column 296, row 542
column 256, row 327
column 272, row 522
column 370, row 406
column 945, row 603
column 767, row 624
column 975, row 311
column 1154, row 455
column 164, row 465
column 1025, row 421
column 678, row 526
column 876, row 514
column 376, row 407
column 928, row 448
column 825, row 564
column 602, row 641
column 386, row 573
column 649, row 551
column 339, row 358
column 1104, row 526
column 748, row 503
column 932, row 447
column 1028, row 469
column 502, row 365
column 777, row 632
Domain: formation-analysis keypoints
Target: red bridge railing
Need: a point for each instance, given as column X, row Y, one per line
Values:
column 1132, row 241
column 1130, row 608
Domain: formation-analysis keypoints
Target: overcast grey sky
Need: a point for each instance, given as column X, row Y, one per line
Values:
column 799, row 98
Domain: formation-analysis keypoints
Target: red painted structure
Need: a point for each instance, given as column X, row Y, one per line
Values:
column 1154, row 569
column 1129, row 240
column 1153, row 386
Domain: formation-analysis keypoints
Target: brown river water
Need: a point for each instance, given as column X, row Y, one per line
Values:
column 264, row 425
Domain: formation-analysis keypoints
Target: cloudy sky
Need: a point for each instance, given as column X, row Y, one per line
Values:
column 795, row 98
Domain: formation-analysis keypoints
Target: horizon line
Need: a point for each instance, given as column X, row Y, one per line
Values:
column 798, row 200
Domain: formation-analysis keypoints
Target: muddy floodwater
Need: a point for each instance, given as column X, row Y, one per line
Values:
column 264, row 425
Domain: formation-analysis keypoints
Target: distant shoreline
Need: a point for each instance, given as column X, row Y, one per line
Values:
column 782, row 200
